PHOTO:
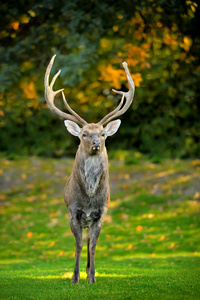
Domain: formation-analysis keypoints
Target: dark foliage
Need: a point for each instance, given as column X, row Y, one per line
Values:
column 86, row 36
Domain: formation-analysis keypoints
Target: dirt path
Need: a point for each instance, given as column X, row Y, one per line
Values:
column 30, row 175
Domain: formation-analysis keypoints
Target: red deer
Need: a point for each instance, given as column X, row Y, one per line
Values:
column 87, row 191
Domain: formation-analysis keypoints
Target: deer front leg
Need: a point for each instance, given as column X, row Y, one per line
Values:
column 77, row 232
column 93, row 233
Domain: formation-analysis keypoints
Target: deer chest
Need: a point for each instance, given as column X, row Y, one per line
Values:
column 93, row 170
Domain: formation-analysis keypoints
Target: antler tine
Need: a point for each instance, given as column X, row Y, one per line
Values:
column 108, row 116
column 50, row 95
column 121, row 109
column 72, row 111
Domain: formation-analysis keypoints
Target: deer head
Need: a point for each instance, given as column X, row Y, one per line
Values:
column 92, row 136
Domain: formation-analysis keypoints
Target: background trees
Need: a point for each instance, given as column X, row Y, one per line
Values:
column 158, row 39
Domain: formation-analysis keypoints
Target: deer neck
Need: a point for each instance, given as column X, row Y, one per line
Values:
column 91, row 168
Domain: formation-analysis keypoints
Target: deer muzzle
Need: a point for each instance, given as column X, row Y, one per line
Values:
column 95, row 146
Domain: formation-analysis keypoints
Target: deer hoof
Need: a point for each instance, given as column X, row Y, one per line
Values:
column 91, row 279
column 75, row 278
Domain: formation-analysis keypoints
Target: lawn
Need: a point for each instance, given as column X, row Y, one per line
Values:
column 149, row 246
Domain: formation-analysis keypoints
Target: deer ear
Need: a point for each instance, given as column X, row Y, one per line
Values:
column 112, row 127
column 72, row 127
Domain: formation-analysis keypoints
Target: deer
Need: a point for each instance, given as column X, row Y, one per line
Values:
column 87, row 191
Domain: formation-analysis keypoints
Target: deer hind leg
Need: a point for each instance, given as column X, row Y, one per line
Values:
column 93, row 233
column 77, row 232
column 88, row 253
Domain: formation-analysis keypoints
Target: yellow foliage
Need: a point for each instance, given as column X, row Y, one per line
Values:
column 170, row 39
column 187, row 43
column 2, row 113
column 120, row 17
column 115, row 28
column 31, row 13
column 108, row 73
column 24, row 19
column 15, row 25
column 29, row 90
column 105, row 44
column 137, row 78
column 159, row 24
column 135, row 54
column 26, row 65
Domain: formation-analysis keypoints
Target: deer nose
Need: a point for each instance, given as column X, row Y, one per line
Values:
column 96, row 143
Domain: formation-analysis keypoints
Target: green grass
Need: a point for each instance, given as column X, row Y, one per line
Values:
column 148, row 248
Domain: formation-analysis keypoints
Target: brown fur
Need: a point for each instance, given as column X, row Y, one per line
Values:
column 87, row 195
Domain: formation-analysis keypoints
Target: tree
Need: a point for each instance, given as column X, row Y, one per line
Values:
column 91, row 40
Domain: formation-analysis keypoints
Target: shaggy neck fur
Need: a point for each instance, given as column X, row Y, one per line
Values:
column 92, row 168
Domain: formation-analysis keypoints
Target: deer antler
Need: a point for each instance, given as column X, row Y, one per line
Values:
column 50, row 95
column 121, row 109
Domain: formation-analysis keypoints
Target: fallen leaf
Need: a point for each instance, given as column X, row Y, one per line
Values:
column 165, row 173
column 172, row 245
column 115, row 203
column 125, row 217
column 16, row 217
column 184, row 179
column 29, row 234
column 150, row 216
column 2, row 197
column 196, row 195
column 23, row 176
column 108, row 219
column 127, row 176
column 139, row 228
column 67, row 234
column 54, row 214
column 31, row 198
column 129, row 247
column 51, row 244
column 196, row 162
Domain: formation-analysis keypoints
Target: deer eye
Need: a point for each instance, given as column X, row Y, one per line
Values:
column 103, row 134
column 84, row 135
